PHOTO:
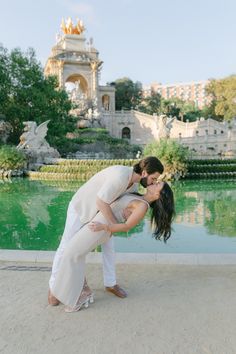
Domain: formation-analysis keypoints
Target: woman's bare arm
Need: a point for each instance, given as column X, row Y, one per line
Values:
column 136, row 216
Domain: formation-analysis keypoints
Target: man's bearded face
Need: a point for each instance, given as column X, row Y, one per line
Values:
column 147, row 180
column 144, row 182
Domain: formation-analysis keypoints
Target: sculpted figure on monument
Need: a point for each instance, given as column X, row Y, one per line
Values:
column 34, row 145
column 94, row 65
column 69, row 28
column 164, row 126
column 33, row 136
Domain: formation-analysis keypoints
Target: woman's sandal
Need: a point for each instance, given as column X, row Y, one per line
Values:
column 83, row 301
column 86, row 298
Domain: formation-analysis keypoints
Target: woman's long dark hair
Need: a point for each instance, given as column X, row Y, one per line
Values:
column 162, row 213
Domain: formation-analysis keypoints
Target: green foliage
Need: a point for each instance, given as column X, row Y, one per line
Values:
column 101, row 139
column 94, row 140
column 182, row 110
column 11, row 158
column 172, row 154
column 128, row 93
column 64, row 145
column 151, row 104
column 173, row 107
column 25, row 94
column 223, row 94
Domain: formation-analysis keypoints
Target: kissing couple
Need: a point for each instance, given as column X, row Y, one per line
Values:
column 107, row 203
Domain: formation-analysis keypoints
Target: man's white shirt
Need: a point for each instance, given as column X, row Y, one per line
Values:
column 108, row 185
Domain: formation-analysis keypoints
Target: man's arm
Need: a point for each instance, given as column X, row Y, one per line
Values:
column 106, row 211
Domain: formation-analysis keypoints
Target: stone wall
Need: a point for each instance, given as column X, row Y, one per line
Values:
column 143, row 127
column 204, row 137
column 207, row 137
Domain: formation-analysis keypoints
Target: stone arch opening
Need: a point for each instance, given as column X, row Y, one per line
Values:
column 125, row 134
column 106, row 102
column 77, row 82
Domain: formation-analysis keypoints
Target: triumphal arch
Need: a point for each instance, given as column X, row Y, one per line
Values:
column 77, row 65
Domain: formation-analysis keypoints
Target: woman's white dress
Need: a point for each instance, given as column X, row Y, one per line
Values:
column 70, row 277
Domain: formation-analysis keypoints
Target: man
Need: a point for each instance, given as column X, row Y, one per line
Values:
column 96, row 195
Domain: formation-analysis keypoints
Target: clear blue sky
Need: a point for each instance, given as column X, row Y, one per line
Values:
column 150, row 40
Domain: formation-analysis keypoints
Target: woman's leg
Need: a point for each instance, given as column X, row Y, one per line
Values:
column 72, row 226
column 70, row 277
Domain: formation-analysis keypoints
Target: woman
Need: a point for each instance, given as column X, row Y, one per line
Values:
column 70, row 286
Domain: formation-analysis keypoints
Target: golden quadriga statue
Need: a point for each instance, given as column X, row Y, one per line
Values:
column 68, row 27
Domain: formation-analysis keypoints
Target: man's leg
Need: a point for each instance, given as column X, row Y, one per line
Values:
column 109, row 271
column 108, row 258
column 72, row 225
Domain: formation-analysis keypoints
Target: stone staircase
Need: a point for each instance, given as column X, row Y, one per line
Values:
column 208, row 169
column 72, row 169
column 83, row 169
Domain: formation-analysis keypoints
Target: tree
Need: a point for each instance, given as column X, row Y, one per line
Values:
column 223, row 94
column 182, row 110
column 4, row 79
column 11, row 158
column 151, row 104
column 128, row 93
column 25, row 94
column 172, row 154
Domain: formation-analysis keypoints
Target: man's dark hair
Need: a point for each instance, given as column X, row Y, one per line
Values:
column 151, row 164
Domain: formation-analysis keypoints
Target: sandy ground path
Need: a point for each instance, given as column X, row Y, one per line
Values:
column 171, row 309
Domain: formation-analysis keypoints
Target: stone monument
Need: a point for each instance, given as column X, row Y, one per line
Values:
column 77, row 65
column 34, row 144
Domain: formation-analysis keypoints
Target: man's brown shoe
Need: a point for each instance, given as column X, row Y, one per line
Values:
column 116, row 290
column 52, row 300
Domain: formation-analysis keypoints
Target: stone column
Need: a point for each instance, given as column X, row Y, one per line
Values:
column 94, row 85
column 60, row 73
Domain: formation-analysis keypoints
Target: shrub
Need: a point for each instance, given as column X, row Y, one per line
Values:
column 172, row 154
column 11, row 158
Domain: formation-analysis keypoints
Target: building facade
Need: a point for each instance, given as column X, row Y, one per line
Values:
column 191, row 91
column 205, row 138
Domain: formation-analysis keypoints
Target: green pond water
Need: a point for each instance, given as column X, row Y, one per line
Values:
column 32, row 217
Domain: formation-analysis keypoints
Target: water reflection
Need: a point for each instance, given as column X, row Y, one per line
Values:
column 208, row 203
column 33, row 216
